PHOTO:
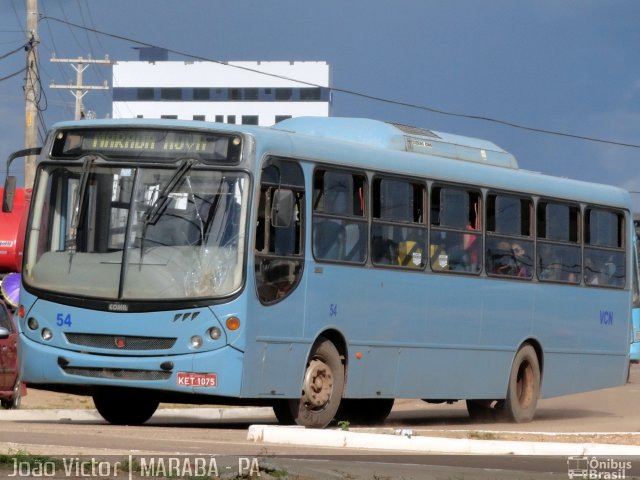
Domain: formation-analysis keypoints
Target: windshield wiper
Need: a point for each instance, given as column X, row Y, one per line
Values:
column 154, row 212
column 78, row 205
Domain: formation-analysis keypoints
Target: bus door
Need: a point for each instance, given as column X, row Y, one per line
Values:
column 279, row 262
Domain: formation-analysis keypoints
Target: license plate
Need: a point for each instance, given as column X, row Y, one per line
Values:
column 186, row 379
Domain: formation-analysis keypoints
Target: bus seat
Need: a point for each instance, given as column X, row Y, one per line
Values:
column 410, row 254
column 438, row 257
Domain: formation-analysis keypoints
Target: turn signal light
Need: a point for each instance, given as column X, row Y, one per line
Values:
column 233, row 323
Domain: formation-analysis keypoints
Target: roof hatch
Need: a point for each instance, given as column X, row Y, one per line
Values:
column 401, row 137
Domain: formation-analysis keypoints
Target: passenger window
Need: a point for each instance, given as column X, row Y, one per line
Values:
column 398, row 232
column 339, row 225
column 559, row 256
column 509, row 246
column 279, row 249
column 456, row 237
column 604, row 255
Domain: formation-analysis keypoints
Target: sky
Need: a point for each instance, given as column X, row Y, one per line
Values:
column 570, row 67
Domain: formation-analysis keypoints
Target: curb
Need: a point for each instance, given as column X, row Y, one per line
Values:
column 297, row 435
column 207, row 414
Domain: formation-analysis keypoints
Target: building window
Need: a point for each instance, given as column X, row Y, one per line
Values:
column 250, row 119
column 145, row 94
column 170, row 94
column 280, row 118
column 309, row 94
column 199, row 118
column 201, row 94
column 169, row 117
column 231, row 119
column 235, row 94
column 284, row 93
column 220, row 118
column 251, row 94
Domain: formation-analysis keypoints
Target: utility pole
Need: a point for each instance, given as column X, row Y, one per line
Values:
column 79, row 90
column 31, row 91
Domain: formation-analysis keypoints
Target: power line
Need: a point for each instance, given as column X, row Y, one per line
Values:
column 5, row 55
column 363, row 95
column 2, row 79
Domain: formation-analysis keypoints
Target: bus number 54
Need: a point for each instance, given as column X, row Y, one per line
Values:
column 62, row 319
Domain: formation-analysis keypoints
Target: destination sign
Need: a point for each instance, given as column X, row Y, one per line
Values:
column 151, row 144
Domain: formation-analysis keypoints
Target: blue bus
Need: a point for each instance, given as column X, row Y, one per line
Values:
column 322, row 266
column 634, row 352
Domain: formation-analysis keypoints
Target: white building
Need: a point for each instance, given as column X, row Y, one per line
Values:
column 255, row 93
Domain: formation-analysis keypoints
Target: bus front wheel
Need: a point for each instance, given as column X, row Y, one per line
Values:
column 122, row 406
column 322, row 388
column 524, row 386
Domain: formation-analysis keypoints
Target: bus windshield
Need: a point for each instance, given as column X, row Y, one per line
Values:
column 137, row 233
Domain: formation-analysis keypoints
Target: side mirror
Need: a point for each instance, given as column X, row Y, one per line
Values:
column 10, row 181
column 4, row 333
column 282, row 207
column 8, row 194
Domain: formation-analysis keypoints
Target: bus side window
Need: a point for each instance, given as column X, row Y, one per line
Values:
column 604, row 257
column 509, row 245
column 558, row 255
column 398, row 232
column 339, row 226
column 279, row 252
column 455, row 230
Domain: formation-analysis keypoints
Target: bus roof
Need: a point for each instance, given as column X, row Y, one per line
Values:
column 352, row 140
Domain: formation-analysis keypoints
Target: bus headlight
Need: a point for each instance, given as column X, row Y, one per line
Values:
column 46, row 334
column 196, row 341
column 32, row 323
column 215, row 333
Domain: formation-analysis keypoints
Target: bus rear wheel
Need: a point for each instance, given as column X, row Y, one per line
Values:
column 122, row 406
column 322, row 388
column 524, row 386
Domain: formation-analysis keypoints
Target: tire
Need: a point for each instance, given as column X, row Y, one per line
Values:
column 322, row 388
column 16, row 398
column 366, row 411
column 122, row 406
column 283, row 412
column 524, row 386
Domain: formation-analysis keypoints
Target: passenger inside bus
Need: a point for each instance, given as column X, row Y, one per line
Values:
column 501, row 259
column 522, row 261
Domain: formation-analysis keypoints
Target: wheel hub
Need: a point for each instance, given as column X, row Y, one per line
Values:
column 318, row 384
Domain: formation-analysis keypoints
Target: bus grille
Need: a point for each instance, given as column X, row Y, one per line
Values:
column 120, row 342
column 119, row 373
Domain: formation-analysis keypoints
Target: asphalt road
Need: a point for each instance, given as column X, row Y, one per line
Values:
column 198, row 435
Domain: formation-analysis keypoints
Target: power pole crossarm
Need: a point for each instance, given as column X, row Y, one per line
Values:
column 79, row 90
